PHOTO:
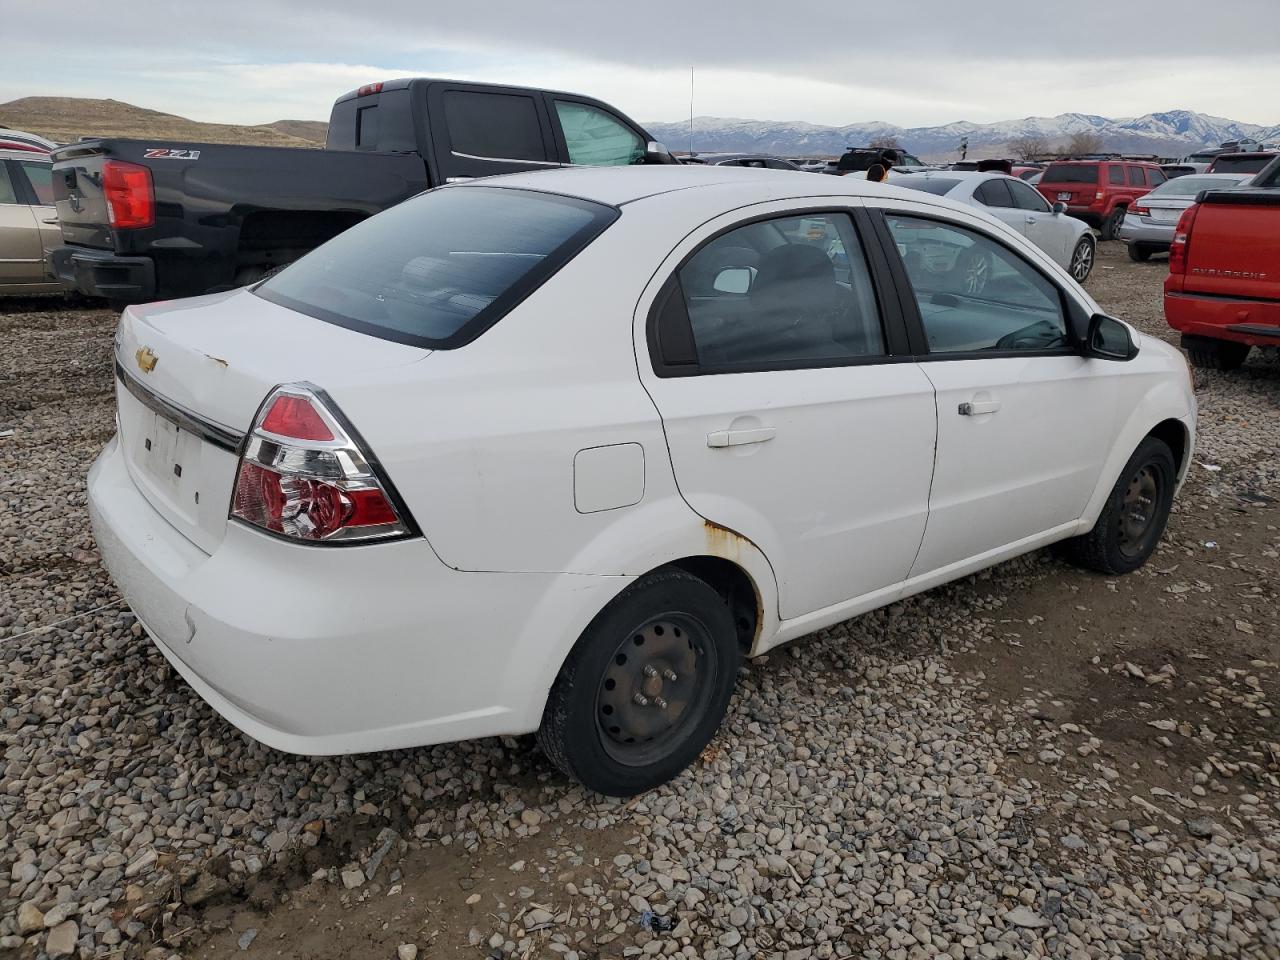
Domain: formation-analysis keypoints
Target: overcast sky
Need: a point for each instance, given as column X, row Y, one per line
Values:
column 909, row 62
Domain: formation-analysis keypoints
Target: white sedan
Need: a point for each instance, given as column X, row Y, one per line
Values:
column 554, row 452
column 1067, row 240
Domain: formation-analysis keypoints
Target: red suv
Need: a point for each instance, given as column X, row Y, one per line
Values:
column 1099, row 191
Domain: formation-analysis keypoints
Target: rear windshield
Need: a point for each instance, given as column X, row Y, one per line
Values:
column 1250, row 164
column 1070, row 173
column 936, row 185
column 1190, row 185
column 439, row 269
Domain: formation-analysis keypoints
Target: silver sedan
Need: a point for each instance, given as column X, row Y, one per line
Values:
column 1150, row 220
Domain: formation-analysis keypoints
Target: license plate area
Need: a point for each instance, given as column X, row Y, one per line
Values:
column 170, row 459
column 1064, row 196
column 1165, row 215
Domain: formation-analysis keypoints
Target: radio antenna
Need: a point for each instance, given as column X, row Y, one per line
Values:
column 691, row 111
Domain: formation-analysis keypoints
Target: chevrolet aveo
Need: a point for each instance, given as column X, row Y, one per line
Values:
column 554, row 452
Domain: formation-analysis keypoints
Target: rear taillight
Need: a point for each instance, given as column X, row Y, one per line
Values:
column 1099, row 195
column 1139, row 211
column 369, row 89
column 131, row 201
column 305, row 475
column 1181, row 244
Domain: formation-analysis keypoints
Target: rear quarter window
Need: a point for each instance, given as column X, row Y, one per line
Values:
column 438, row 270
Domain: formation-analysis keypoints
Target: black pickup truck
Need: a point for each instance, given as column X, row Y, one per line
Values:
column 148, row 219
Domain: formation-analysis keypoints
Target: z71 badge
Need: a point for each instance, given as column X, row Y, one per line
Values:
column 160, row 153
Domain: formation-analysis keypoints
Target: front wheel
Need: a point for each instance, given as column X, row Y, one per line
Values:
column 645, row 687
column 1134, row 516
column 1082, row 259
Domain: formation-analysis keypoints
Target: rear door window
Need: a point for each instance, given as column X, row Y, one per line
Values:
column 1155, row 177
column 596, row 137
column 1115, row 174
column 8, row 193
column 439, row 269
column 1135, row 177
column 494, row 126
column 994, row 193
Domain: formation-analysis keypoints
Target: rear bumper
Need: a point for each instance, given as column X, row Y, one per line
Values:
column 1155, row 235
column 1255, row 322
column 101, row 273
column 345, row 650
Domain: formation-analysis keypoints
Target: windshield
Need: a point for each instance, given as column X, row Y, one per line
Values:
column 939, row 186
column 439, row 269
column 1250, row 164
column 1071, row 173
column 1189, row 186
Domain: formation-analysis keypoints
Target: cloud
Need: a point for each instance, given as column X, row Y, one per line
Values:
column 930, row 61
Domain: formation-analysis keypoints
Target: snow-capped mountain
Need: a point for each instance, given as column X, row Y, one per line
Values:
column 1171, row 132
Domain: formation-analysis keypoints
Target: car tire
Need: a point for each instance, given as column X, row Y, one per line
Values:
column 1139, row 253
column 1206, row 353
column 1112, row 224
column 1135, row 514
column 1082, row 258
column 645, row 687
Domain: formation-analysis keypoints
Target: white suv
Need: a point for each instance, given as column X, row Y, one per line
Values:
column 555, row 451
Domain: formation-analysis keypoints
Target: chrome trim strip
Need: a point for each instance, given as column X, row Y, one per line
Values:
column 536, row 163
column 207, row 430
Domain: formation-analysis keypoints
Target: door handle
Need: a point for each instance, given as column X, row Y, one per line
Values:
column 976, row 408
column 1031, row 219
column 734, row 438
column 51, row 220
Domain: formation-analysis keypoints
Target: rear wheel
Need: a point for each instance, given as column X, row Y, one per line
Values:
column 1082, row 259
column 1112, row 224
column 645, row 687
column 1208, row 354
column 1134, row 516
column 1139, row 252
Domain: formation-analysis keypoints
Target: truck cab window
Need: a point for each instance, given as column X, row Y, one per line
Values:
column 494, row 126
column 595, row 137
column 367, row 128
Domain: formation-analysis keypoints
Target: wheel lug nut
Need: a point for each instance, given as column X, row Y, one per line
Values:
column 669, row 674
column 641, row 700
column 649, row 671
column 662, row 704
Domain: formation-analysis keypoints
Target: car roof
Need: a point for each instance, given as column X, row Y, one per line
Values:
column 621, row 185
column 30, row 155
column 957, row 175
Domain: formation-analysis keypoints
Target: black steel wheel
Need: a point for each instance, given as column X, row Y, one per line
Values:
column 1134, row 517
column 645, row 687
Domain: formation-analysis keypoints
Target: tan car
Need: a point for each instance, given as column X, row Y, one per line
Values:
column 28, row 223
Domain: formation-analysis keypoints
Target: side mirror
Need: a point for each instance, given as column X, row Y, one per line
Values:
column 1059, row 207
column 1109, row 339
column 655, row 152
column 733, row 280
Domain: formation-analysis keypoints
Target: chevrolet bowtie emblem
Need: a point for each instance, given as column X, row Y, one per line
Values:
column 146, row 359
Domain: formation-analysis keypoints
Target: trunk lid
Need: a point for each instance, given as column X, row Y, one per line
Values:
column 191, row 374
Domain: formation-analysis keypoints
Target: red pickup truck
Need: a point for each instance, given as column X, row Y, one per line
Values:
column 1223, row 289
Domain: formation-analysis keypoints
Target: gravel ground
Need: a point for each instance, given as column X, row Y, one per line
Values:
column 1032, row 762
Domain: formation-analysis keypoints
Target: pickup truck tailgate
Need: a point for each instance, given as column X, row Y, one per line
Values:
column 78, row 196
column 1234, row 248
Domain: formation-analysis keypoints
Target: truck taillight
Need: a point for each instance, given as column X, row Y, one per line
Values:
column 369, row 89
column 131, row 199
column 1181, row 244
column 304, row 475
